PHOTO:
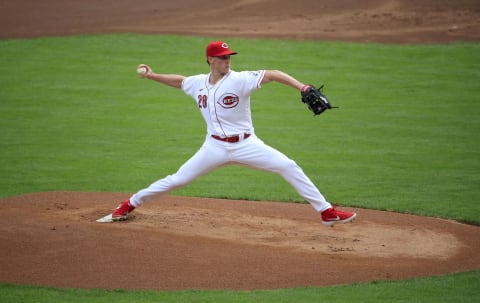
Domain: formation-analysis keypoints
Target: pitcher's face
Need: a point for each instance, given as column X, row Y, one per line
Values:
column 220, row 64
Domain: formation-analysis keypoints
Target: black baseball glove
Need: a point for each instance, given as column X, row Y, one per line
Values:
column 316, row 101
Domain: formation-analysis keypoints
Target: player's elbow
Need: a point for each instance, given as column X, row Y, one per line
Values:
column 271, row 75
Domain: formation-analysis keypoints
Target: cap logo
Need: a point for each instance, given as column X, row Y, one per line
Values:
column 224, row 45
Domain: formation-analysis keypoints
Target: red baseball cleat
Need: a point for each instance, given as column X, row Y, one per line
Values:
column 122, row 211
column 332, row 215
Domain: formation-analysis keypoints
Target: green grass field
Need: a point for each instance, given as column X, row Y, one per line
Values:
column 449, row 288
column 75, row 117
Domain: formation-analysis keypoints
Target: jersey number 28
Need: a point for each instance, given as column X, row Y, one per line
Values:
column 202, row 101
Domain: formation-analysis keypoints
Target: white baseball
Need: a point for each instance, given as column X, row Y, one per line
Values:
column 142, row 71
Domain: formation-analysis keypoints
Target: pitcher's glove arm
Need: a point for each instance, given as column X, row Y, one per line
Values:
column 316, row 101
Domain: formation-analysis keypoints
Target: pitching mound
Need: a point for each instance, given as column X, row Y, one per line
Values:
column 195, row 243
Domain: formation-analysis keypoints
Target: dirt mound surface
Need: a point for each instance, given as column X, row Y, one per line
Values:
column 196, row 243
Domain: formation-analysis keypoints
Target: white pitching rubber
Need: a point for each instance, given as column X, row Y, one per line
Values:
column 106, row 219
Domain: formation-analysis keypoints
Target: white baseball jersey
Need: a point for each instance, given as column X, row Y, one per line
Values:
column 225, row 106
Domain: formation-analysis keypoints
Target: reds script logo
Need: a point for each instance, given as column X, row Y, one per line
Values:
column 228, row 100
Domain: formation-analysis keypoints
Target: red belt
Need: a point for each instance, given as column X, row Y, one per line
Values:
column 232, row 139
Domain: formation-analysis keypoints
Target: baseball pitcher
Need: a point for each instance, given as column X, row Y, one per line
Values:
column 223, row 98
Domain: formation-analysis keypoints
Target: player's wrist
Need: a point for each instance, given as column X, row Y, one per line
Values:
column 305, row 87
column 149, row 75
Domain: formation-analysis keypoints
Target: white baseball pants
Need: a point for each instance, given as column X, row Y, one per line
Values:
column 251, row 152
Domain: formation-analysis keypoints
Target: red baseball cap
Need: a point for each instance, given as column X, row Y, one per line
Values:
column 219, row 48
